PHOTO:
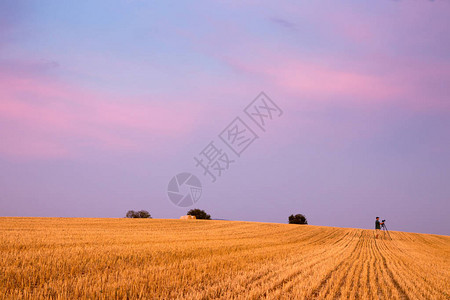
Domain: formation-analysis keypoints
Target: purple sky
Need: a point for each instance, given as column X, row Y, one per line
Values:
column 102, row 102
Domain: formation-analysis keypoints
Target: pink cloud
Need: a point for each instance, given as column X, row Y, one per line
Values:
column 29, row 145
column 380, row 58
column 379, row 80
column 322, row 82
column 44, row 117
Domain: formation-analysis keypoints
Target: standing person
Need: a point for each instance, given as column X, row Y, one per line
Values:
column 377, row 226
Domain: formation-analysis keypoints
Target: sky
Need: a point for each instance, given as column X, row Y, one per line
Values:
column 102, row 103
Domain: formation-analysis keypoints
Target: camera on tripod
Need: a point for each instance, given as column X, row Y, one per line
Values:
column 384, row 227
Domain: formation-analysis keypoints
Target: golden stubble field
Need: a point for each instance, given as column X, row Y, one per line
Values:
column 65, row 258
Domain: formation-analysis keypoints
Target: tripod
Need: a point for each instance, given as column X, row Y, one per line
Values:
column 383, row 227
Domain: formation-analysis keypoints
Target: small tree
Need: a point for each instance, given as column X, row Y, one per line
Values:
column 298, row 219
column 131, row 214
column 199, row 214
column 143, row 214
column 138, row 214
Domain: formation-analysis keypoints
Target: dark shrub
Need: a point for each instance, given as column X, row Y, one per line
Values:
column 297, row 219
column 138, row 214
column 199, row 214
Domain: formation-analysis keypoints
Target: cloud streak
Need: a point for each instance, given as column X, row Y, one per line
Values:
column 44, row 117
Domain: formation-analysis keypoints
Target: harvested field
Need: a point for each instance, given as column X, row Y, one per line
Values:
column 62, row 258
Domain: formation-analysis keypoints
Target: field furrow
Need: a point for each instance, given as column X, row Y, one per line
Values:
column 52, row 258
